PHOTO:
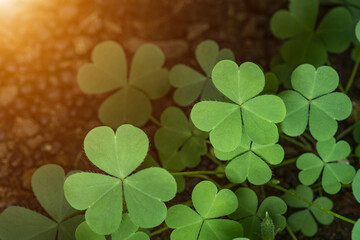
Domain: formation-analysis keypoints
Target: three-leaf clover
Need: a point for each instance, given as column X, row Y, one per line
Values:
column 204, row 223
column 102, row 195
column 190, row 83
column 334, row 173
column 249, row 161
column 307, row 45
column 250, row 216
column 179, row 139
column 245, row 113
column 127, row 231
column 131, row 102
column 313, row 102
column 352, row 5
column 21, row 223
column 304, row 219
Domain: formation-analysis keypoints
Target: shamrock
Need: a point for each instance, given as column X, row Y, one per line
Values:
column 304, row 219
column 249, row 160
column 329, row 151
column 191, row 84
column 102, row 195
column 307, row 45
column 313, row 102
column 204, row 223
column 21, row 223
column 108, row 72
column 127, row 231
column 250, row 216
column 256, row 115
column 178, row 139
column 352, row 5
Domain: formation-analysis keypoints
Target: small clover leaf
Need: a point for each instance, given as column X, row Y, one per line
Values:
column 204, row 224
column 102, row 195
column 334, row 174
column 352, row 5
column 247, row 111
column 108, row 72
column 84, row 232
column 178, row 138
column 304, row 219
column 356, row 186
column 307, row 44
column 21, row 223
column 250, row 216
column 357, row 31
column 249, row 161
column 355, row 234
column 191, row 84
column 314, row 103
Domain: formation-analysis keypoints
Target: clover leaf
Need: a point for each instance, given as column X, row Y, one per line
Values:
column 249, row 161
column 352, row 5
column 334, row 174
column 190, row 83
column 355, row 234
column 256, row 115
column 21, row 223
column 307, row 44
column 271, row 83
column 313, row 102
column 102, row 195
column 127, row 231
column 108, row 72
column 250, row 216
column 179, row 139
column 203, row 224
column 357, row 31
column 304, row 219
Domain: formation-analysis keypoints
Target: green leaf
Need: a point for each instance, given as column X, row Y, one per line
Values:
column 241, row 85
column 118, row 154
column 355, row 234
column 356, row 186
column 271, row 83
column 304, row 219
column 210, row 204
column 357, row 31
column 191, row 84
column 356, row 133
column 336, row 30
column 20, row 223
column 50, row 179
column 300, row 18
column 84, row 232
column 102, row 196
column 108, row 72
column 67, row 228
column 334, row 174
column 128, row 231
column 250, row 216
column 178, row 140
column 313, row 102
column 248, row 161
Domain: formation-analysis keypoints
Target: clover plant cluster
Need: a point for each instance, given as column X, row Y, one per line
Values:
column 225, row 132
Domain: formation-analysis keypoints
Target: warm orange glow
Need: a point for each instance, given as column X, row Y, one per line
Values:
column 4, row 3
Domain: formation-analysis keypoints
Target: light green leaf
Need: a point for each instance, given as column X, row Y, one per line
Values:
column 117, row 154
column 310, row 166
column 355, row 234
column 356, row 186
column 67, row 228
column 84, row 232
column 128, row 231
column 220, row 229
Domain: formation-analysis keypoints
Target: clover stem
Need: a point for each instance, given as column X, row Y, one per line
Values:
column 309, row 137
column 193, row 173
column 311, row 203
column 154, row 120
column 286, row 162
column 289, row 139
column 305, row 142
column 346, row 131
column 353, row 74
column 158, row 231
column 291, row 233
column 212, row 158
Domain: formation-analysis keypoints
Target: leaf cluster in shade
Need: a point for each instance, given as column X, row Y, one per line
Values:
column 179, row 143
column 304, row 220
column 103, row 196
column 23, row 224
column 352, row 5
column 245, row 112
column 250, row 161
column 130, row 103
column 308, row 43
column 334, row 173
column 250, row 215
column 204, row 223
column 313, row 103
column 191, row 84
